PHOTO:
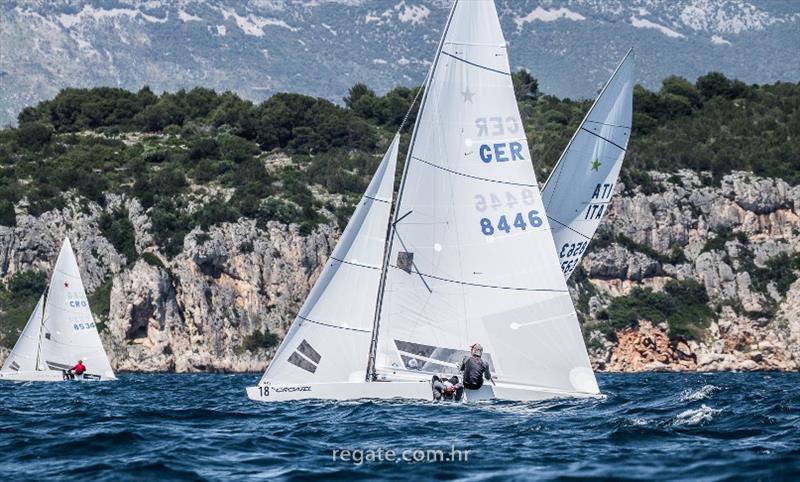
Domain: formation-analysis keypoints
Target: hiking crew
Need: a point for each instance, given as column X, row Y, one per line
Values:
column 475, row 369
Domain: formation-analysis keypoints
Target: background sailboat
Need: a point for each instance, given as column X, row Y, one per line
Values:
column 60, row 331
column 459, row 267
column 580, row 188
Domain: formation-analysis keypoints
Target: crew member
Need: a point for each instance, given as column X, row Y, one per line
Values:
column 475, row 369
column 79, row 369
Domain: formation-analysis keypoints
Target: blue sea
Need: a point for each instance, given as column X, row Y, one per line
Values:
column 202, row 427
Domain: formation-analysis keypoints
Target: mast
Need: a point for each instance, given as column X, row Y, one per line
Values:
column 370, row 373
column 41, row 331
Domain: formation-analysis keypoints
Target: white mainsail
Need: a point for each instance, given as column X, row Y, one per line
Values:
column 472, row 258
column 579, row 190
column 69, row 332
column 329, row 340
column 23, row 355
column 62, row 331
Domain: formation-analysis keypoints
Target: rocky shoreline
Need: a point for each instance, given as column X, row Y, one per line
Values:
column 193, row 313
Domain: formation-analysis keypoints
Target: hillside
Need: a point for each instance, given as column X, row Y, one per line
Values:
column 322, row 47
column 201, row 219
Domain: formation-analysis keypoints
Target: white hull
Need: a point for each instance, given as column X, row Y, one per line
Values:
column 46, row 376
column 397, row 390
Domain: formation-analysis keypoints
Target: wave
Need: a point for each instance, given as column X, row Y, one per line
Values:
column 696, row 416
column 702, row 393
column 203, row 427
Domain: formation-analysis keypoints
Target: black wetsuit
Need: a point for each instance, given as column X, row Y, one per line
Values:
column 475, row 371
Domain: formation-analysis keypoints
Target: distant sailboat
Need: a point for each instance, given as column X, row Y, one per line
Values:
column 579, row 190
column 468, row 256
column 60, row 331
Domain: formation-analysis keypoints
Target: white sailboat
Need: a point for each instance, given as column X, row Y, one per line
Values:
column 580, row 188
column 393, row 307
column 60, row 331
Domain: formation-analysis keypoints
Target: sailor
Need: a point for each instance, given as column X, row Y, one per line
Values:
column 79, row 369
column 475, row 369
column 447, row 389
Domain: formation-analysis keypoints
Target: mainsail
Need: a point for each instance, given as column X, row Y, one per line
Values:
column 329, row 340
column 60, row 331
column 23, row 355
column 579, row 190
column 472, row 258
column 69, row 333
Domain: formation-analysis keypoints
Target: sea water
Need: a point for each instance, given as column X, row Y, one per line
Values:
column 202, row 427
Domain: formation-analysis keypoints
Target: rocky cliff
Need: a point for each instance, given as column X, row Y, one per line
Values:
column 196, row 311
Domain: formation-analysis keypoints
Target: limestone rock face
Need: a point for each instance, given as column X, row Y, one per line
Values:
column 728, row 235
column 189, row 313
column 649, row 348
column 195, row 311
column 618, row 262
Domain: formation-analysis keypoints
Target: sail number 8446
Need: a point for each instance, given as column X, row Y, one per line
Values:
column 518, row 222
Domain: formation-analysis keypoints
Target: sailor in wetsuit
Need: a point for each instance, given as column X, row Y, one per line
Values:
column 475, row 369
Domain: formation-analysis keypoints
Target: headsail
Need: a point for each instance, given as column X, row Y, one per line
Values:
column 329, row 340
column 579, row 190
column 23, row 356
column 472, row 257
column 69, row 333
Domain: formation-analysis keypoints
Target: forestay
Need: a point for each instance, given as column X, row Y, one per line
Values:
column 69, row 332
column 23, row 357
column 472, row 257
column 579, row 190
column 329, row 339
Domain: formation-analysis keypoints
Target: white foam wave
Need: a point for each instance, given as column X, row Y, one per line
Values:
column 700, row 394
column 696, row 416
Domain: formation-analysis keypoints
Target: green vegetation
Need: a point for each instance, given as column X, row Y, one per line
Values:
column 100, row 303
column 258, row 340
column 7, row 215
column 722, row 237
column 683, row 305
column 779, row 270
column 118, row 229
column 200, row 158
column 604, row 239
column 152, row 260
column 17, row 301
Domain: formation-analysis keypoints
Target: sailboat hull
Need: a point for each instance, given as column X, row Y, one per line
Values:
column 46, row 376
column 341, row 391
column 398, row 390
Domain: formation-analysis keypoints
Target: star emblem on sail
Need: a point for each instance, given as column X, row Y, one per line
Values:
column 468, row 95
column 576, row 202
